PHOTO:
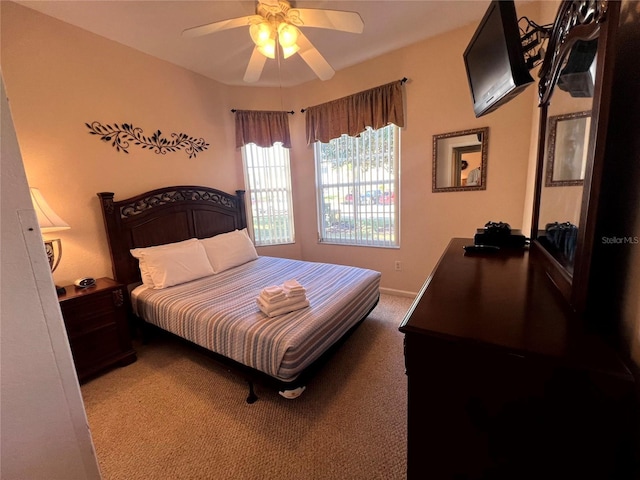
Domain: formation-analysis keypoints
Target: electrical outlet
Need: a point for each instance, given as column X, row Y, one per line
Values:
column 398, row 265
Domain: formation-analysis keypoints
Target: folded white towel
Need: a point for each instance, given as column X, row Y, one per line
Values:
column 296, row 294
column 274, row 298
column 292, row 288
column 280, row 308
column 290, row 284
column 275, row 305
column 289, row 309
column 272, row 291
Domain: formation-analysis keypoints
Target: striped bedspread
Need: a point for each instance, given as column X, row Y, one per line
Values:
column 219, row 312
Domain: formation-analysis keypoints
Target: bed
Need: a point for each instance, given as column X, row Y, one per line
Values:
column 213, row 306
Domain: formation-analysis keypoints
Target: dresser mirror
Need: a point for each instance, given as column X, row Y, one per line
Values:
column 460, row 160
column 565, row 159
column 572, row 81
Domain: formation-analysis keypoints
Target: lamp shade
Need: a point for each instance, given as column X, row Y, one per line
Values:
column 48, row 220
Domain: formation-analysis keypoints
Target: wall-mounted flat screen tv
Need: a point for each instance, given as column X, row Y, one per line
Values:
column 494, row 59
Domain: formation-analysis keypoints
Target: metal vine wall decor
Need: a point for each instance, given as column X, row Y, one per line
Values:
column 121, row 136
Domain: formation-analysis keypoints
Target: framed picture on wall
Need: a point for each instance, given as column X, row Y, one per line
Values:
column 568, row 148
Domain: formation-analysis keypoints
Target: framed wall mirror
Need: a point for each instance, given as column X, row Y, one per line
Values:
column 567, row 149
column 460, row 160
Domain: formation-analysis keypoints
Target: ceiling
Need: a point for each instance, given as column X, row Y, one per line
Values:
column 155, row 27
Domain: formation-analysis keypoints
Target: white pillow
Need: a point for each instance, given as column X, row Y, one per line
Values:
column 142, row 264
column 144, row 271
column 229, row 250
column 173, row 263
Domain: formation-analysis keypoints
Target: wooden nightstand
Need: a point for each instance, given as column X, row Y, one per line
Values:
column 97, row 326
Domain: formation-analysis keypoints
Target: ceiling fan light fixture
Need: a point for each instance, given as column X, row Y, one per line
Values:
column 287, row 35
column 288, row 51
column 261, row 33
column 276, row 26
column 268, row 49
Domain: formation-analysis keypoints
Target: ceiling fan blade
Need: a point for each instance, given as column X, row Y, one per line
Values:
column 254, row 69
column 331, row 19
column 312, row 57
column 219, row 26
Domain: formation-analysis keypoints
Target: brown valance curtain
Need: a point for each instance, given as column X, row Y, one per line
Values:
column 375, row 108
column 262, row 128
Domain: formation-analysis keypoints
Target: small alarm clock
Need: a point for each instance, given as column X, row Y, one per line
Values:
column 85, row 282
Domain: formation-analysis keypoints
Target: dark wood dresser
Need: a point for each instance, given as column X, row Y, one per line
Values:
column 97, row 325
column 504, row 382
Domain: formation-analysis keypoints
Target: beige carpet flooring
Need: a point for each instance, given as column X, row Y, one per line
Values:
column 177, row 414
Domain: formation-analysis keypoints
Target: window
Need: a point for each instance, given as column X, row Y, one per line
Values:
column 357, row 188
column 268, row 178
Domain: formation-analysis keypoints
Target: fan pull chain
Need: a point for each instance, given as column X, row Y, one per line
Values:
column 279, row 76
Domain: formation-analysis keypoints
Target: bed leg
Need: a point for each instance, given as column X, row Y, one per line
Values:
column 252, row 394
column 145, row 333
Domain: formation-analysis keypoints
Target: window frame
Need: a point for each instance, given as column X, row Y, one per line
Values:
column 271, row 213
column 367, row 186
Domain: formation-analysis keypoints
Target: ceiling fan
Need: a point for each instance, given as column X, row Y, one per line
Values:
column 276, row 26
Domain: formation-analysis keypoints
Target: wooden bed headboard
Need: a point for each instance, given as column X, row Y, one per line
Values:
column 166, row 215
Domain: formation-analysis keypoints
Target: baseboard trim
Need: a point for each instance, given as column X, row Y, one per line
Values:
column 398, row 293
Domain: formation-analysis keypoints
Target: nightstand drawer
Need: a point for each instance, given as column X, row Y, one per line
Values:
column 96, row 346
column 95, row 311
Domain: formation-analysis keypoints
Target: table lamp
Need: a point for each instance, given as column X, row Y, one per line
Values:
column 49, row 221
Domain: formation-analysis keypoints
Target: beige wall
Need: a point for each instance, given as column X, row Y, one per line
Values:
column 59, row 77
